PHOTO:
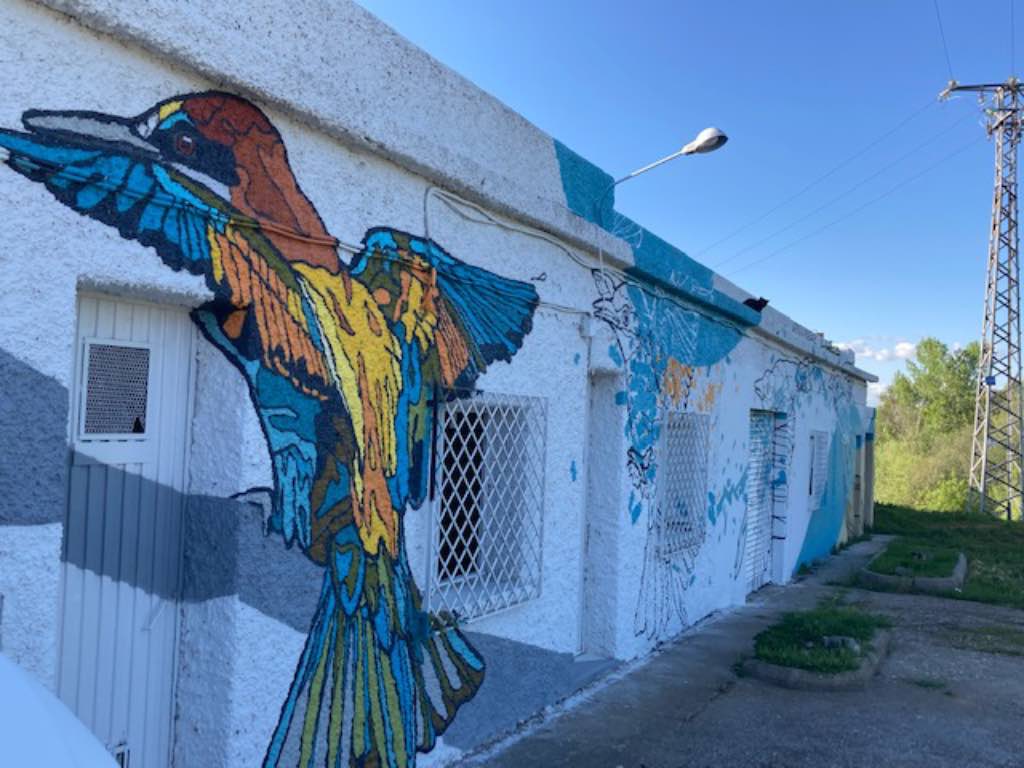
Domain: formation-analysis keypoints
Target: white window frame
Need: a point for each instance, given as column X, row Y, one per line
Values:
column 818, row 467
column 505, row 569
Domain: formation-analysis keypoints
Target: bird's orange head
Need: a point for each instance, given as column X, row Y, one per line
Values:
column 196, row 153
column 228, row 142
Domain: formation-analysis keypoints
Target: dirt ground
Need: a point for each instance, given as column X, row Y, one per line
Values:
column 951, row 693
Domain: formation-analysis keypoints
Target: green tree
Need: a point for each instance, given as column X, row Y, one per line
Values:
column 924, row 425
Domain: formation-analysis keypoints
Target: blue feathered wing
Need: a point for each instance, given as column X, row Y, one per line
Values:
column 379, row 679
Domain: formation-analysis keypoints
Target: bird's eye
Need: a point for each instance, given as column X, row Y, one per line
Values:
column 184, row 145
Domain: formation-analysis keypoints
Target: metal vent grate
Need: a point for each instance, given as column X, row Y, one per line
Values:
column 680, row 517
column 488, row 515
column 117, row 386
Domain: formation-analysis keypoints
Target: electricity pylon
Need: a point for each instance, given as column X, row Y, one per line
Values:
column 996, row 481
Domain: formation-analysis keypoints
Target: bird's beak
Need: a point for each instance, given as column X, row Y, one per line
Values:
column 89, row 130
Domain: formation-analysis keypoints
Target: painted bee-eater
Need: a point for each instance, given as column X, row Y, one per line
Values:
column 345, row 364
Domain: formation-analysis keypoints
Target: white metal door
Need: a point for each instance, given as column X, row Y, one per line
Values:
column 123, row 532
column 757, row 557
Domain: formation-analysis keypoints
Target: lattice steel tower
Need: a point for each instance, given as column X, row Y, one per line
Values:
column 996, row 481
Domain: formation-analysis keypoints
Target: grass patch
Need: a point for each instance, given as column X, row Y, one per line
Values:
column 796, row 640
column 915, row 557
column 994, row 548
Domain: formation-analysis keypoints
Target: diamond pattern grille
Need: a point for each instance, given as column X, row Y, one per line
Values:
column 488, row 515
column 682, row 485
column 116, row 390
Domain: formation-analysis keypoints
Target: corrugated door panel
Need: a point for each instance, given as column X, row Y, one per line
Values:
column 123, row 533
column 163, row 624
column 142, row 606
column 74, row 552
column 124, row 635
column 107, row 626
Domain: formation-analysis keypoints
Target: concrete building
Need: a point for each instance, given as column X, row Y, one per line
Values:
column 252, row 431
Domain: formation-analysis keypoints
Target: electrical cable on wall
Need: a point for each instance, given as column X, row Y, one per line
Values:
column 450, row 200
column 453, row 202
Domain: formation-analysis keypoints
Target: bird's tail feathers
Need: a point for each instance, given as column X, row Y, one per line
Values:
column 358, row 701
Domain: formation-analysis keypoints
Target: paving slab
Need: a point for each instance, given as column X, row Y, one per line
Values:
column 949, row 694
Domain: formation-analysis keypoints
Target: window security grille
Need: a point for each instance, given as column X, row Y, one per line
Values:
column 488, row 512
column 819, row 467
column 117, row 386
column 682, row 485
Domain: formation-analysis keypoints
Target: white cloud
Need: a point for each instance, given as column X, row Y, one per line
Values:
column 859, row 347
column 904, row 349
column 901, row 350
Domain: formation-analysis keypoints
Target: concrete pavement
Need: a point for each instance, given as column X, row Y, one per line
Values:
column 950, row 694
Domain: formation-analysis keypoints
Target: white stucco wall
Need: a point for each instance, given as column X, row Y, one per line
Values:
column 364, row 162
column 30, row 585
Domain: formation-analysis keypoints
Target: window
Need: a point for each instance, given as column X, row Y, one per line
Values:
column 488, row 512
column 116, row 390
column 819, row 467
column 682, row 484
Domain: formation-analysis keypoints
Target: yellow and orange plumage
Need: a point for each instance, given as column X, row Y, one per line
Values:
column 346, row 366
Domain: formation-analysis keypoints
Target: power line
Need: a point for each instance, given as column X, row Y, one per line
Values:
column 942, row 34
column 818, row 180
column 860, row 208
column 846, row 192
column 1013, row 40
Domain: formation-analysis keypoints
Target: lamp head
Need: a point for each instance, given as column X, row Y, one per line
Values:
column 707, row 140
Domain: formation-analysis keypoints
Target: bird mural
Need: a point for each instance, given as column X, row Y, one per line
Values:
column 346, row 365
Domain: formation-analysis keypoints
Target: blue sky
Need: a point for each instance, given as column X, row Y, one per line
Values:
column 800, row 87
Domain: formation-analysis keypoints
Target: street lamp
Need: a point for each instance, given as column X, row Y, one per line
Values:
column 707, row 140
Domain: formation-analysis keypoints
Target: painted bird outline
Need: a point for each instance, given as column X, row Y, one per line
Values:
column 346, row 365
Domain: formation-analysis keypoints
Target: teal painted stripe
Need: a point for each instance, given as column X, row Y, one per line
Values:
column 655, row 261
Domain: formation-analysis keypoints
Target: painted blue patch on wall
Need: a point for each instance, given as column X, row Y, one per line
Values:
column 827, row 520
column 733, row 490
